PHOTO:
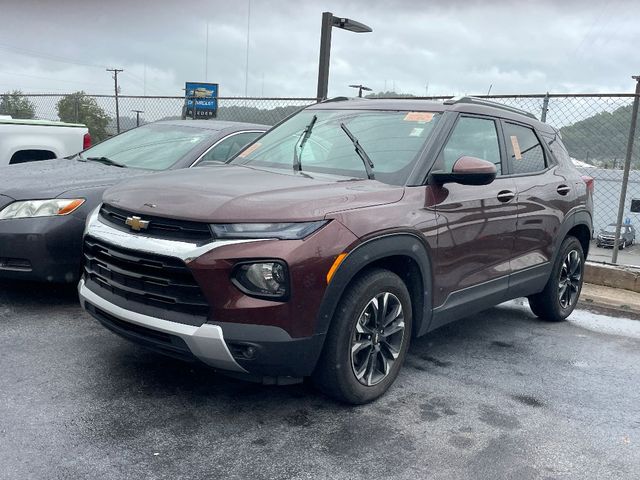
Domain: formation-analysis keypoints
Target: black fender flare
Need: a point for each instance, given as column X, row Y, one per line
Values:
column 581, row 217
column 406, row 244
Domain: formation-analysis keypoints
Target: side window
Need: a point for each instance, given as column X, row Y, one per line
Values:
column 524, row 151
column 475, row 137
column 228, row 147
column 558, row 149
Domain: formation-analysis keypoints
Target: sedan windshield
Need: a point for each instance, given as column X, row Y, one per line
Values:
column 152, row 147
column 387, row 143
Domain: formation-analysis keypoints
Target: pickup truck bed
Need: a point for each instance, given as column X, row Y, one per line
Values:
column 28, row 140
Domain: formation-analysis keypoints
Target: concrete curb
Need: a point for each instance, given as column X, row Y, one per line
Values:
column 612, row 300
column 614, row 276
column 613, row 288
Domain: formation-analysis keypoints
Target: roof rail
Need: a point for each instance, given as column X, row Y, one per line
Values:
column 488, row 103
column 336, row 99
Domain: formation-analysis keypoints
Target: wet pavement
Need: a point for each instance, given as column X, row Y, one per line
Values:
column 629, row 256
column 498, row 395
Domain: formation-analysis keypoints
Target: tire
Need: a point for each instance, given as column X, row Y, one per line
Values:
column 623, row 245
column 361, row 377
column 554, row 303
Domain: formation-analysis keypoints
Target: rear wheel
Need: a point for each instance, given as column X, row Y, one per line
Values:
column 368, row 339
column 560, row 295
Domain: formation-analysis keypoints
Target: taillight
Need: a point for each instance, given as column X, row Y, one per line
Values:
column 86, row 141
column 589, row 181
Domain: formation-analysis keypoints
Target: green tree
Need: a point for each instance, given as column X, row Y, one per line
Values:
column 389, row 94
column 601, row 138
column 17, row 105
column 80, row 108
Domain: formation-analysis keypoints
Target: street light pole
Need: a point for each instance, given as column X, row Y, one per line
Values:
column 325, row 49
column 329, row 21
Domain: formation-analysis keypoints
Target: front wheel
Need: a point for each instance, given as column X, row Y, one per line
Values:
column 368, row 339
column 560, row 295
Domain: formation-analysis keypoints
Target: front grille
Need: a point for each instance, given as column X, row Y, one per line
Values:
column 148, row 279
column 158, row 226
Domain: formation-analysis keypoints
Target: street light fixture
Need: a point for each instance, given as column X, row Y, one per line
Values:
column 360, row 89
column 329, row 21
column 138, row 112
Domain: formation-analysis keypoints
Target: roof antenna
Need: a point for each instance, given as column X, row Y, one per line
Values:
column 489, row 91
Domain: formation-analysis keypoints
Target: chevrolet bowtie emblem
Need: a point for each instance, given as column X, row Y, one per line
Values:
column 137, row 224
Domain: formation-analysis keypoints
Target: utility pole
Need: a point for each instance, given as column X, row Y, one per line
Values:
column 138, row 112
column 627, row 166
column 116, row 71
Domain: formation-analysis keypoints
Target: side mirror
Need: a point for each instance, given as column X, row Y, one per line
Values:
column 467, row 171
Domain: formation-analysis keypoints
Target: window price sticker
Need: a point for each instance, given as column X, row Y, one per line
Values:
column 424, row 117
column 516, row 147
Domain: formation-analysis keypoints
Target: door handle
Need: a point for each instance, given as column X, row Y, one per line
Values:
column 563, row 189
column 506, row 196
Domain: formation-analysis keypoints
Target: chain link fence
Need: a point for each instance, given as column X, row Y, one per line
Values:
column 594, row 128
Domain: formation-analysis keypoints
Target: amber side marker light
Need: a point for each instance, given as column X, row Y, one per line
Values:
column 334, row 267
column 70, row 207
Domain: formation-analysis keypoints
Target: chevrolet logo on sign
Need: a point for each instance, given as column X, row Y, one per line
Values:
column 137, row 224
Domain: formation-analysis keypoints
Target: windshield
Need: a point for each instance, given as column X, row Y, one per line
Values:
column 152, row 147
column 392, row 141
column 612, row 229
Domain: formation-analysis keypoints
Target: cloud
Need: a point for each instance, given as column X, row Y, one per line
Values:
column 452, row 46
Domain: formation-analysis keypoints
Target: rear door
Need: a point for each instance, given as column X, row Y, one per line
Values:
column 546, row 194
column 476, row 224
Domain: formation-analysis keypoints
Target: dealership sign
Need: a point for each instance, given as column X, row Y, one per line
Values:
column 201, row 100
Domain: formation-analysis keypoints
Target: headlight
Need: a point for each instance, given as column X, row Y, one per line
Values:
column 40, row 208
column 283, row 231
column 263, row 279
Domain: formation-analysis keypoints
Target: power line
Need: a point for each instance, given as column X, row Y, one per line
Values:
column 54, row 58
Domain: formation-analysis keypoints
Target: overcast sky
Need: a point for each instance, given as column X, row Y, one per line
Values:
column 436, row 47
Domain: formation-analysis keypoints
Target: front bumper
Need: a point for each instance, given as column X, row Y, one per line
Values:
column 277, row 358
column 206, row 342
column 43, row 249
column 606, row 241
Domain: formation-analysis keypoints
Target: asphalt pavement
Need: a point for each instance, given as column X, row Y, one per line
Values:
column 497, row 395
column 629, row 256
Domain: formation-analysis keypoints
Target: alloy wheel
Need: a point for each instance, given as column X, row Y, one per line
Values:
column 570, row 279
column 377, row 339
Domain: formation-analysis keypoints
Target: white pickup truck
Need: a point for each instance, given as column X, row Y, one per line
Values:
column 29, row 140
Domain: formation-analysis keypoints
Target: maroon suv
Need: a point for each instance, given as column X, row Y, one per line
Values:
column 340, row 234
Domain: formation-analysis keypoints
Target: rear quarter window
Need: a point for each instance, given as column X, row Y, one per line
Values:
column 558, row 149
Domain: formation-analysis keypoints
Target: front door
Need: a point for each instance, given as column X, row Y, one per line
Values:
column 476, row 224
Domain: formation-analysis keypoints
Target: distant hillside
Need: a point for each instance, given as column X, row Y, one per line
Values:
column 602, row 138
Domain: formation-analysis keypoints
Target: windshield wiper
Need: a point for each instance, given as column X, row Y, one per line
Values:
column 106, row 161
column 297, row 164
column 366, row 160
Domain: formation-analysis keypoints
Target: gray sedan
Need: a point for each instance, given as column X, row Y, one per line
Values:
column 43, row 205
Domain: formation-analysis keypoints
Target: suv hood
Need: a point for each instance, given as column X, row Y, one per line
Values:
column 51, row 178
column 230, row 193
